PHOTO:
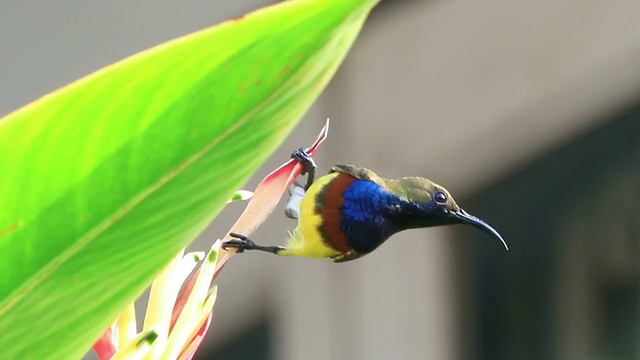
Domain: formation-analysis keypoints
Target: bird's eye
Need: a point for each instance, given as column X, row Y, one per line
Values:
column 440, row 197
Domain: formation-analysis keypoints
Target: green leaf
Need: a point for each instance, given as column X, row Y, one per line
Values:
column 106, row 179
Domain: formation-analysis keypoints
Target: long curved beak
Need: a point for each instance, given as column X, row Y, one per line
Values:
column 466, row 218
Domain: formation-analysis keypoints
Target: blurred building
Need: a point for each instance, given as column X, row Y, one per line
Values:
column 527, row 111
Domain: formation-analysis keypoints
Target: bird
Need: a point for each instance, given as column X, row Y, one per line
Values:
column 351, row 211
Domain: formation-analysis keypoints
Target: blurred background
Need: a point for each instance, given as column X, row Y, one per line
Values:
column 527, row 111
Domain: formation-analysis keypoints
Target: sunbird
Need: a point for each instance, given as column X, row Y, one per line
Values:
column 351, row 211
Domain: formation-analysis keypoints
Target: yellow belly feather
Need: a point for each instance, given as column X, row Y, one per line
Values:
column 306, row 240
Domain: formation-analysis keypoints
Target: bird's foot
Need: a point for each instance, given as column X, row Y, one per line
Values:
column 241, row 243
column 304, row 159
column 308, row 165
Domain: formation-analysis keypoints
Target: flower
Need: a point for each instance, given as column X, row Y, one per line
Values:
column 165, row 336
column 182, row 298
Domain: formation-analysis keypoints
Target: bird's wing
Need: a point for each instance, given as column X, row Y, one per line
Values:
column 358, row 173
column 344, row 257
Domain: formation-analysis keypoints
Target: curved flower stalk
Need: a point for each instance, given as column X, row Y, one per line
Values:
column 181, row 299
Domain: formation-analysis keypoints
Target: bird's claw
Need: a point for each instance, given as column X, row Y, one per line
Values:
column 240, row 243
column 308, row 165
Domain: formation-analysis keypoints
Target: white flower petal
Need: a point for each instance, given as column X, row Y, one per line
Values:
column 162, row 298
column 188, row 322
column 241, row 195
column 126, row 325
column 137, row 347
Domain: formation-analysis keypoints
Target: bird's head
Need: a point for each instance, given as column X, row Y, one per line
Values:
column 426, row 204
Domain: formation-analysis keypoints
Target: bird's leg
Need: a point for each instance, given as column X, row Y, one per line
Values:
column 243, row 243
column 308, row 166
